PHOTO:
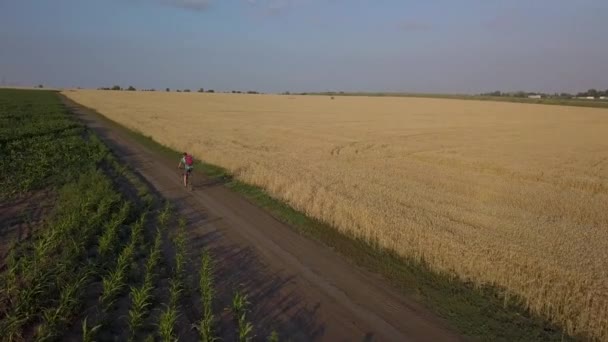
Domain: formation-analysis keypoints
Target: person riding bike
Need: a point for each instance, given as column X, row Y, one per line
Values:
column 188, row 163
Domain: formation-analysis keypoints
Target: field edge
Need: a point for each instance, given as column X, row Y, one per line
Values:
column 478, row 312
column 523, row 100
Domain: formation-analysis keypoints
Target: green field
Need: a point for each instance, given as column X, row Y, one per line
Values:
column 101, row 257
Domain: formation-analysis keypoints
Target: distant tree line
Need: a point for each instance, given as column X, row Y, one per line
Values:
column 594, row 93
column 117, row 87
column 132, row 88
column 589, row 93
column 244, row 92
column 200, row 90
column 514, row 94
column 331, row 93
column 186, row 90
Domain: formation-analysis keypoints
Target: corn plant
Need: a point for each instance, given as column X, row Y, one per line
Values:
column 141, row 296
column 55, row 319
column 137, row 231
column 273, row 337
column 114, row 282
column 88, row 333
column 10, row 277
column 25, row 306
column 11, row 325
column 205, row 326
column 164, row 216
column 168, row 317
column 175, row 291
column 240, row 305
column 154, row 257
column 109, row 238
column 180, row 249
column 140, row 301
column 166, row 325
column 112, row 285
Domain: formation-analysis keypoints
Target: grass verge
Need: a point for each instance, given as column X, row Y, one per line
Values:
column 478, row 312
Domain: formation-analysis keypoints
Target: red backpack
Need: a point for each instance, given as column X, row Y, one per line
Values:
column 189, row 160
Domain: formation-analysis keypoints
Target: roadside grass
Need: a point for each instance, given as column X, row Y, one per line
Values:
column 478, row 312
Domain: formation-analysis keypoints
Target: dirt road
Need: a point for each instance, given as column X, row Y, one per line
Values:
column 297, row 286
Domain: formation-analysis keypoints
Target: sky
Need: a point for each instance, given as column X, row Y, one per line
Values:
column 432, row 46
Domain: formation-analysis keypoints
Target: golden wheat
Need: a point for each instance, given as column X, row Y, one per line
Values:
column 513, row 195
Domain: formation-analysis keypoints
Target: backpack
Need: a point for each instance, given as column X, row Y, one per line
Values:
column 189, row 160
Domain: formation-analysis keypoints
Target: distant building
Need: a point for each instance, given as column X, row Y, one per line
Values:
column 590, row 98
column 535, row 96
column 603, row 97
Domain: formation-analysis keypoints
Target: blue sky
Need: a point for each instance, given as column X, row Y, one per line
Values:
column 464, row 46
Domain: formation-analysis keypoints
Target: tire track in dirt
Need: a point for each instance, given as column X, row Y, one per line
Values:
column 297, row 286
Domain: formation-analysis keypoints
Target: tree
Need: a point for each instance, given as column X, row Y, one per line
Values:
column 131, row 88
column 186, row 90
column 167, row 89
column 211, row 91
column 179, row 91
column 592, row 92
column 116, row 87
column 201, row 90
column 521, row 94
column 40, row 86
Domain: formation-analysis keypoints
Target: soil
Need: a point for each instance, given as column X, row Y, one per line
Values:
column 21, row 216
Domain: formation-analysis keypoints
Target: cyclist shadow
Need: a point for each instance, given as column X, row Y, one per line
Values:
column 203, row 182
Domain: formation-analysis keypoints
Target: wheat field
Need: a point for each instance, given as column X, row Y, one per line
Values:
column 514, row 195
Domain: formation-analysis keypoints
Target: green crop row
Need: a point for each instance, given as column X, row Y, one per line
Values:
column 39, row 292
column 40, row 144
column 46, row 278
column 101, row 243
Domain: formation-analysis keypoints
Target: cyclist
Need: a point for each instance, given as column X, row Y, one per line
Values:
column 188, row 163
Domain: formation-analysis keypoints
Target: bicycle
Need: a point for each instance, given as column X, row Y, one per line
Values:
column 188, row 175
